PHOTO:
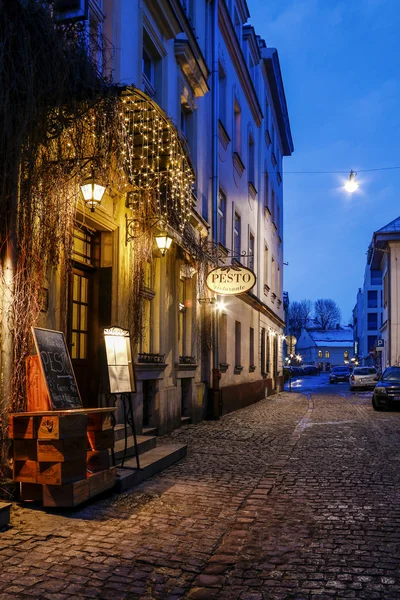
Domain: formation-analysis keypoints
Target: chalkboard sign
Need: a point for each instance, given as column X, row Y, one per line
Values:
column 57, row 369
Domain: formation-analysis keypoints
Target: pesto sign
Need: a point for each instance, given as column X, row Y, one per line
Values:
column 231, row 280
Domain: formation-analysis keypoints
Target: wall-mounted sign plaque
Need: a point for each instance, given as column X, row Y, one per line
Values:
column 57, row 368
column 231, row 280
column 119, row 360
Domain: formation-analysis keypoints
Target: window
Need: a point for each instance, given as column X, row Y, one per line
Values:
column 263, row 370
column 251, row 348
column 183, row 350
column 237, row 25
column 385, row 289
column 327, row 354
column 266, row 193
column 237, row 113
column 273, row 276
column 278, row 217
column 82, row 248
column 376, row 277
column 371, row 342
column 372, row 298
column 251, row 161
column 147, row 310
column 80, row 306
column 151, row 68
column 278, row 283
column 273, row 207
column 372, row 321
column 222, row 93
column 319, row 353
column 267, row 353
column 238, row 343
column 267, row 110
column 96, row 40
column 236, row 237
column 223, row 338
column 266, row 267
column 251, row 252
column 222, row 218
column 346, row 355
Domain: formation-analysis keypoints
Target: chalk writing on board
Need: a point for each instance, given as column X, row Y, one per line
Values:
column 57, row 368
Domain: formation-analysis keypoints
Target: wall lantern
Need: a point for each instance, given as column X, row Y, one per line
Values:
column 163, row 241
column 92, row 194
column 351, row 185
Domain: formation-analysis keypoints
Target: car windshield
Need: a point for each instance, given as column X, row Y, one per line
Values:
column 365, row 371
column 391, row 374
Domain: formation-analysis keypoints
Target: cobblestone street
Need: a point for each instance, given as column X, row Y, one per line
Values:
column 295, row 497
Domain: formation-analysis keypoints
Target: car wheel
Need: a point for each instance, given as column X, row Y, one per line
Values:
column 379, row 406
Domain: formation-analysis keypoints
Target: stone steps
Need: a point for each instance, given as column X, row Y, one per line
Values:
column 4, row 514
column 151, row 462
column 144, row 442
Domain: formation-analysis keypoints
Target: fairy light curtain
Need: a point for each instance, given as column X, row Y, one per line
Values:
column 160, row 176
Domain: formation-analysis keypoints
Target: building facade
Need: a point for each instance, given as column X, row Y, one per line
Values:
column 203, row 107
column 367, row 315
column 383, row 258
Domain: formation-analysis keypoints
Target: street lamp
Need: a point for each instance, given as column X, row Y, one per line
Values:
column 351, row 185
column 92, row 193
column 163, row 241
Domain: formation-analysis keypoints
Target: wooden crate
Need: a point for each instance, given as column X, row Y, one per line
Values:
column 37, row 398
column 102, row 481
column 61, row 450
column 22, row 427
column 25, row 449
column 60, row 473
column 65, row 496
column 97, row 460
column 99, row 421
column 25, row 471
column 59, row 427
column 31, row 492
column 100, row 440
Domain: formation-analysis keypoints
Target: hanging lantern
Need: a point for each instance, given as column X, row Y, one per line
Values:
column 163, row 241
column 92, row 194
column 351, row 184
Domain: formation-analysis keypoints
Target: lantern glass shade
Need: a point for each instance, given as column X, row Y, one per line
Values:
column 163, row 242
column 351, row 184
column 92, row 194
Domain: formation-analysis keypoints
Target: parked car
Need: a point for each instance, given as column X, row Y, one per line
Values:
column 387, row 390
column 339, row 374
column 310, row 370
column 363, row 377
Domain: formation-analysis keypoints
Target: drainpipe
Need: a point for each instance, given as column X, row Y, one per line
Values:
column 216, row 374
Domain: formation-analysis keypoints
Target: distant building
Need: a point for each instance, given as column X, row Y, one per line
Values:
column 384, row 258
column 367, row 314
column 326, row 349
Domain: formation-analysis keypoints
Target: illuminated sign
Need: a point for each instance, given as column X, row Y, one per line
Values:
column 231, row 280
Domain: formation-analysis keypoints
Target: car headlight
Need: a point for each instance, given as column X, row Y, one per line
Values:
column 380, row 390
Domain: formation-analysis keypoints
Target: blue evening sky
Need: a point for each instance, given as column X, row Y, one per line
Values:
column 341, row 71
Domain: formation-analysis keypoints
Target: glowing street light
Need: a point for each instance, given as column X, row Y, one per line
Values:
column 163, row 242
column 351, row 185
column 92, row 194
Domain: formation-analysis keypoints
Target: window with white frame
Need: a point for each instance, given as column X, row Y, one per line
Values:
column 237, row 133
column 222, row 94
column 221, row 218
column 237, row 225
column 151, row 68
column 238, row 343
column 266, row 193
column 266, row 267
column 273, row 275
column 251, row 161
column 251, row 251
